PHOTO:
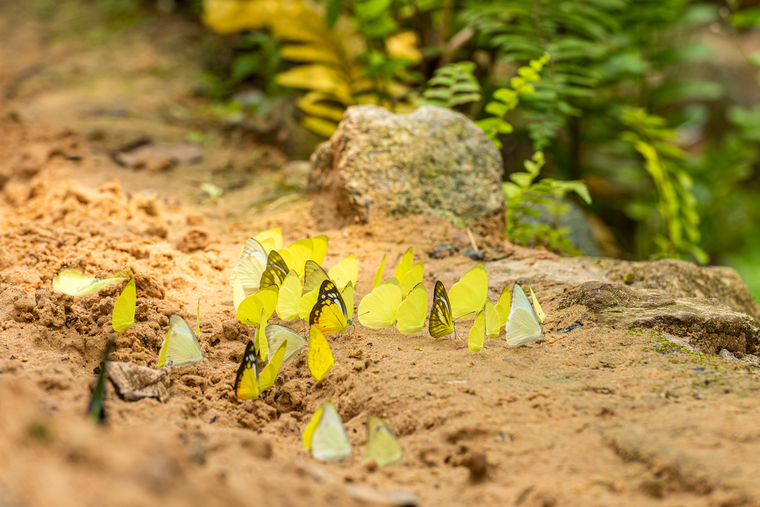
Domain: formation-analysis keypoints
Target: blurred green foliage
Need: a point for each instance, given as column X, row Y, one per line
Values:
column 635, row 98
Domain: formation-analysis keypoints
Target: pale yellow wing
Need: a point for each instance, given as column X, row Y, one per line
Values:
column 477, row 334
column 347, row 270
column 319, row 358
column 277, row 335
column 502, row 308
column 469, row 294
column 313, row 277
column 348, row 297
column 289, row 297
column 412, row 278
column 493, row 324
column 269, row 373
column 382, row 445
column 307, row 304
column 378, row 309
column 537, row 307
column 181, row 347
column 74, row 283
column 319, row 248
column 379, row 273
column 327, row 438
column 123, row 316
column 250, row 309
column 296, row 254
column 404, row 265
column 272, row 237
column 411, row 314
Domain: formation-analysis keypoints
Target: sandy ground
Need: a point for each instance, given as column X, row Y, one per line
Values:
column 597, row 416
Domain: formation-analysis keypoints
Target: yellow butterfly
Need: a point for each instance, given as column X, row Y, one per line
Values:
column 319, row 357
column 523, row 326
column 536, row 306
column 412, row 312
column 493, row 323
column 379, row 308
column 469, row 294
column 502, row 308
column 296, row 254
column 440, row 322
column 276, row 271
column 249, row 309
column 325, row 435
column 382, row 445
column 329, row 314
column 319, row 248
column 74, row 283
column 307, row 303
column 486, row 324
column 412, row 278
column 180, row 347
column 248, row 383
column 477, row 333
column 271, row 239
column 379, row 273
column 260, row 339
column 250, row 267
column 404, row 265
column 347, row 270
column 123, row 316
column 277, row 335
column 313, row 277
column 289, row 297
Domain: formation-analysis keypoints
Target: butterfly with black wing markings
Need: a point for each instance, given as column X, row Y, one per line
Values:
column 440, row 322
column 329, row 314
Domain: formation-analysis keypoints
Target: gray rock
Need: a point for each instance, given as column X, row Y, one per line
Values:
column 706, row 323
column 433, row 161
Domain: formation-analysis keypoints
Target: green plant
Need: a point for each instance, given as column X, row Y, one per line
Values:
column 453, row 85
column 525, row 198
column 676, row 206
column 507, row 99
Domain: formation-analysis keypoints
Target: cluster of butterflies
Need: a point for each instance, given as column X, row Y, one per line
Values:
column 291, row 281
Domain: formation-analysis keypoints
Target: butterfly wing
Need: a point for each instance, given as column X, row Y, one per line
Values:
column 277, row 335
column 250, row 309
column 348, row 298
column 382, row 445
column 440, row 322
column 272, row 237
column 307, row 303
column 347, row 270
column 405, row 264
column 411, row 313
column 469, row 294
column 319, row 358
column 477, row 333
column 329, row 442
column 296, row 254
column 74, row 283
column 272, row 369
column 275, row 272
column 329, row 313
column 319, row 248
column 379, row 308
column 313, row 276
column 260, row 338
column 247, row 379
column 123, row 316
column 181, row 347
column 250, row 267
column 537, row 307
column 412, row 278
column 289, row 297
column 379, row 273
column 493, row 325
column 502, row 308
column 523, row 325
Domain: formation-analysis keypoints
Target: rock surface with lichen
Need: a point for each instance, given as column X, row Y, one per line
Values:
column 432, row 161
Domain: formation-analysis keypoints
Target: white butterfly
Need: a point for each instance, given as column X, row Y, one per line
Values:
column 523, row 326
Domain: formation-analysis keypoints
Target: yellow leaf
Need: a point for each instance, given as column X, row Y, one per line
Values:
column 319, row 126
column 404, row 45
column 309, row 53
column 310, row 105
